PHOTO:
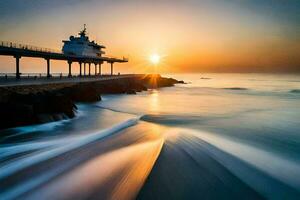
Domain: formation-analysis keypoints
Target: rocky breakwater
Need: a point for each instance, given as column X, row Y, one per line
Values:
column 25, row 105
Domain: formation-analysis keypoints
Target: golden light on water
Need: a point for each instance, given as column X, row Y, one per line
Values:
column 154, row 101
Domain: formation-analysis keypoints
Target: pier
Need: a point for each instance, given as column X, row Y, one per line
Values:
column 85, row 62
column 36, row 80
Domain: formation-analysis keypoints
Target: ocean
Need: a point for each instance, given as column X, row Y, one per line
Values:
column 220, row 136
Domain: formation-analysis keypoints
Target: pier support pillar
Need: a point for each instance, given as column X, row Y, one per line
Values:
column 17, row 67
column 89, row 69
column 48, row 68
column 80, row 69
column 70, row 68
column 100, row 63
column 111, row 68
column 84, row 68
column 95, row 69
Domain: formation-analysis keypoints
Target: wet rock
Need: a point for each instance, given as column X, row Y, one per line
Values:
column 24, row 109
column 156, row 81
column 130, row 91
column 81, row 93
column 25, row 105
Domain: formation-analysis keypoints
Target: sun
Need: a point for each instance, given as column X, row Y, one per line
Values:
column 154, row 59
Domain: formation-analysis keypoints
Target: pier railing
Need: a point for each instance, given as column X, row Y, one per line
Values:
column 4, row 76
column 115, row 57
column 41, row 49
column 27, row 47
column 32, row 75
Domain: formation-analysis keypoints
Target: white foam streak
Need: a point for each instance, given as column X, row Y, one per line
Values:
column 12, row 167
column 97, row 173
column 274, row 165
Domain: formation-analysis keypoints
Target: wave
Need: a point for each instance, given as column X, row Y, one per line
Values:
column 135, row 159
column 113, row 110
column 200, row 89
column 109, row 175
column 185, row 119
column 248, row 154
column 46, row 127
column 207, row 157
column 235, row 88
column 295, row 91
column 68, row 144
column 39, row 127
column 171, row 119
column 283, row 93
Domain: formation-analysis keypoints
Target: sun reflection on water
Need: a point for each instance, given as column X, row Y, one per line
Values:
column 154, row 102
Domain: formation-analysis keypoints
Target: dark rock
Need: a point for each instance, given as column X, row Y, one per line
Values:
column 25, row 105
column 156, row 81
column 81, row 93
column 24, row 109
column 130, row 91
column 16, row 114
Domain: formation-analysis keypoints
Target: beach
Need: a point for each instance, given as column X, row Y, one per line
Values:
column 221, row 136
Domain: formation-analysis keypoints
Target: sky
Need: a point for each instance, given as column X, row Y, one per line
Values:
column 191, row 36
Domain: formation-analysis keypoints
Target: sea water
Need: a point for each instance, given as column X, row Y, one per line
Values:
column 223, row 136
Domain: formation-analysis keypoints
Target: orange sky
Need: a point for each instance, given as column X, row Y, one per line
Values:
column 191, row 36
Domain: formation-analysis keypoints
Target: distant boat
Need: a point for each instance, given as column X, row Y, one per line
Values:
column 82, row 46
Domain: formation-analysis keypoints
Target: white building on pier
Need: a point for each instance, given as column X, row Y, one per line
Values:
column 82, row 46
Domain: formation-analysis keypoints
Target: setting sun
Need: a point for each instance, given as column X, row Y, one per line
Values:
column 155, row 58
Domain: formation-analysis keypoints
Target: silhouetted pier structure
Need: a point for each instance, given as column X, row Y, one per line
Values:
column 19, row 50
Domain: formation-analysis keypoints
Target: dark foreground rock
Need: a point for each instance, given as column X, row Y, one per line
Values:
column 32, row 108
column 25, row 105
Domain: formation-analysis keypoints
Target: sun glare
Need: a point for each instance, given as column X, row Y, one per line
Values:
column 155, row 58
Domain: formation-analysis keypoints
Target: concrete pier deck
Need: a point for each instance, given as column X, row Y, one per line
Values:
column 44, row 80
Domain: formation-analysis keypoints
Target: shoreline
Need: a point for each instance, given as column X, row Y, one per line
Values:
column 23, row 105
